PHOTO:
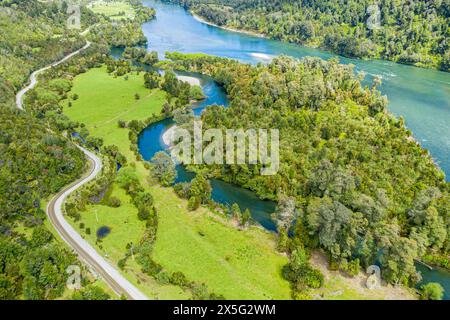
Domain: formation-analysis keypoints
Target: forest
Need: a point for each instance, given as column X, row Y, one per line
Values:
column 37, row 160
column 352, row 180
column 410, row 32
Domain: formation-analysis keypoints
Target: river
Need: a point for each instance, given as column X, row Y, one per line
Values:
column 420, row 96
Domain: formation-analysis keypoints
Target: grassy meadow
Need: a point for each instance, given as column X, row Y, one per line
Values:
column 205, row 247
column 116, row 10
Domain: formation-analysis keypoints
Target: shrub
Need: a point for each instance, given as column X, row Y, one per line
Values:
column 431, row 291
column 193, row 203
column 143, row 213
column 114, row 202
column 179, row 279
column 122, row 124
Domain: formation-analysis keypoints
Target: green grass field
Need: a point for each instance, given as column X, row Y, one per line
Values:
column 207, row 248
column 117, row 10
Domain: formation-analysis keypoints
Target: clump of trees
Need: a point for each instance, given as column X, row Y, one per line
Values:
column 431, row 291
column 197, row 192
column 90, row 292
column 411, row 32
column 301, row 274
column 350, row 181
column 164, row 168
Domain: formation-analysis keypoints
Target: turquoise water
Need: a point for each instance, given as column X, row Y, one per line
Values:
column 420, row 96
column 435, row 275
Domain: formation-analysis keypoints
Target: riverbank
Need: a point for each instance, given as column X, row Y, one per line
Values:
column 191, row 80
column 203, row 20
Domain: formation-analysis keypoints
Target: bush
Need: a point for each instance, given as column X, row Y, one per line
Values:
column 179, row 279
column 122, row 124
column 353, row 268
column 121, row 264
column 194, row 203
column 114, row 202
column 196, row 93
column 431, row 291
column 143, row 213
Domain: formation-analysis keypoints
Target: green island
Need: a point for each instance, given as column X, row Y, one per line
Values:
column 354, row 188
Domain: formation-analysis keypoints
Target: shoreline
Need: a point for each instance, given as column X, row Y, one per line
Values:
column 167, row 136
column 191, row 80
column 202, row 20
column 261, row 35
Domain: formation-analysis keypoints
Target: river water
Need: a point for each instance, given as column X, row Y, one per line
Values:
column 420, row 96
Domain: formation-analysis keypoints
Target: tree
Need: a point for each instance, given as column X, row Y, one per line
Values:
column 334, row 224
column 183, row 117
column 41, row 236
column 167, row 109
column 196, row 93
column 236, row 212
column 431, row 291
column 122, row 124
column 170, row 84
column 246, row 217
column 152, row 80
column 164, row 168
column 300, row 273
column 150, row 58
column 143, row 213
column 193, row 203
column 397, row 260
column 90, row 292
column 200, row 188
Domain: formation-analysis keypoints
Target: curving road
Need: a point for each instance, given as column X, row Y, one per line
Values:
column 85, row 251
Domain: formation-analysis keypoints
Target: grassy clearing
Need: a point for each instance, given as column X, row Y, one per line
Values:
column 117, row 10
column 339, row 286
column 104, row 100
column 236, row 264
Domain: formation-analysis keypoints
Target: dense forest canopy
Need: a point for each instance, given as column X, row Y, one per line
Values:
column 363, row 187
column 33, row 34
column 352, row 179
column 35, row 161
column 412, row 32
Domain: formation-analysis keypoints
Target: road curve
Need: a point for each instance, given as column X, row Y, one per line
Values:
column 85, row 251
column 33, row 77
